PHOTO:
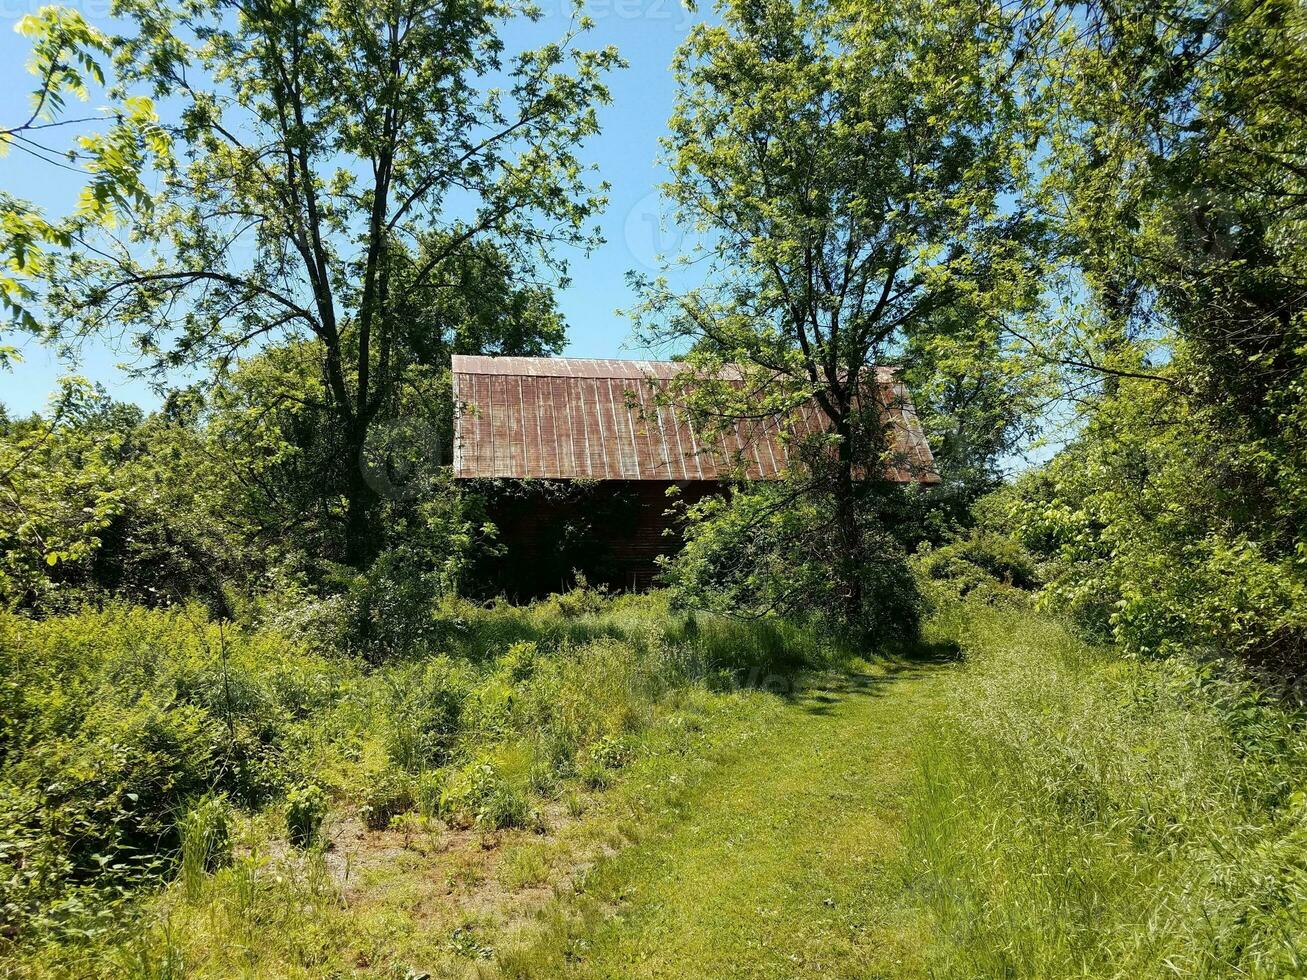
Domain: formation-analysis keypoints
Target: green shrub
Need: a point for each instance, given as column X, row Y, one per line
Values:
column 579, row 601
column 488, row 711
column 480, row 792
column 387, row 795
column 504, row 807
column 593, row 774
column 598, row 761
column 766, row 550
column 306, row 806
column 97, row 805
column 998, row 556
column 426, row 700
column 37, row 875
column 983, row 565
column 117, row 785
column 428, row 791
column 519, row 662
column 394, row 602
column 291, row 609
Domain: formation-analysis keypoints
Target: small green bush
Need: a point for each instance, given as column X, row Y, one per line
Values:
column 389, row 794
column 428, row 790
column 427, row 699
column 599, row 761
column 394, row 602
column 582, row 600
column 480, row 791
column 519, row 662
column 983, row 565
column 306, row 806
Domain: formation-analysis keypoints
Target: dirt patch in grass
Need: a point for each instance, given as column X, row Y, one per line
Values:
column 497, row 879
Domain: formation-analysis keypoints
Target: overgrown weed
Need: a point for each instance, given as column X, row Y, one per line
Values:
column 1083, row 814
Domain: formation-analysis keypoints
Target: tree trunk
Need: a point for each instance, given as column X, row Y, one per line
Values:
column 361, row 499
column 849, row 529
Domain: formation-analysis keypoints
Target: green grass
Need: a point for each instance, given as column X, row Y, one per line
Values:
column 1032, row 807
column 780, row 861
column 115, row 726
column 1082, row 814
column 1044, row 808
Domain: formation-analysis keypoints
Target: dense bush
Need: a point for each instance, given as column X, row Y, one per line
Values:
column 206, row 840
column 105, row 503
column 480, row 793
column 426, row 700
column 1164, row 530
column 115, row 722
column 980, row 565
column 306, row 805
column 772, row 549
column 388, row 794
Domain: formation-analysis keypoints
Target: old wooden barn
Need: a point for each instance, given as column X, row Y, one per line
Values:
column 584, row 454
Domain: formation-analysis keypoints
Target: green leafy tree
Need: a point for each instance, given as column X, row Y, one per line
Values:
column 56, row 495
column 287, row 466
column 99, row 501
column 845, row 167
column 1175, row 515
column 67, row 60
column 769, row 549
column 320, row 147
column 980, row 402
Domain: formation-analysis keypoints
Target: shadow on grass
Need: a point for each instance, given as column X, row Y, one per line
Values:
column 820, row 694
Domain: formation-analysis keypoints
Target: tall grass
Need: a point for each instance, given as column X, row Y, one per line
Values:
column 133, row 741
column 1078, row 814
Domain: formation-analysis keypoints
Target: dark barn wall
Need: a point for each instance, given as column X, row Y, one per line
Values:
column 612, row 531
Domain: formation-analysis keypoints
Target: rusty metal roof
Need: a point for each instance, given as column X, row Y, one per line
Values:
column 598, row 419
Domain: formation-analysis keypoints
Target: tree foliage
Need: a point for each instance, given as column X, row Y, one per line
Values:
column 769, row 548
column 55, row 493
column 68, row 56
column 1178, row 201
column 336, row 167
column 846, row 167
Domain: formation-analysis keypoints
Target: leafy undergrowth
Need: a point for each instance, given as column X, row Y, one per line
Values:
column 608, row 789
column 1083, row 814
column 318, row 815
column 424, row 896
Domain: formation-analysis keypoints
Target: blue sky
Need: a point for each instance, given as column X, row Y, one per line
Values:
column 646, row 32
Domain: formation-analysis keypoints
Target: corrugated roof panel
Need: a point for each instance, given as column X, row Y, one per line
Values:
column 573, row 418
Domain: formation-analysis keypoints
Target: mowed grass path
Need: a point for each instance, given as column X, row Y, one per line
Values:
column 786, row 860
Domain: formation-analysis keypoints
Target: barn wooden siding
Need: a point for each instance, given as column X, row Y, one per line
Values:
column 572, row 418
column 537, row 561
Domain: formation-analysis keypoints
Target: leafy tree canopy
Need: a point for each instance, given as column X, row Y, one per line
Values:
column 336, row 166
column 68, row 57
column 850, row 170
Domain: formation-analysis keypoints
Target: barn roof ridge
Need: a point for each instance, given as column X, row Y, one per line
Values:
column 596, row 367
